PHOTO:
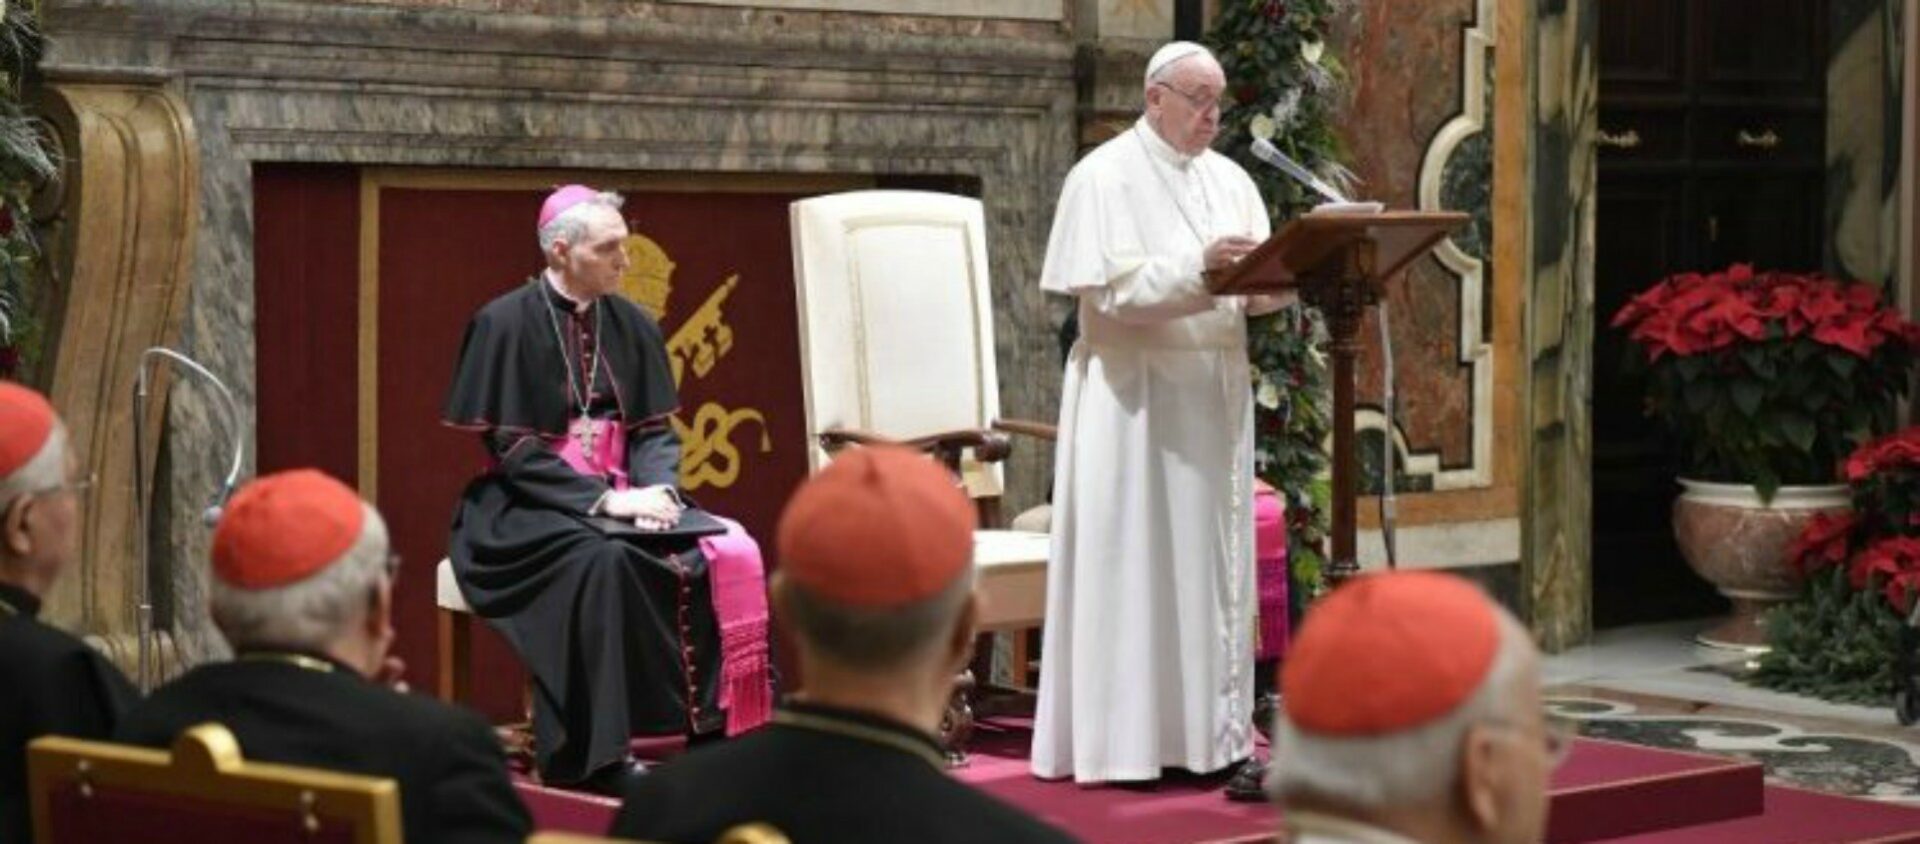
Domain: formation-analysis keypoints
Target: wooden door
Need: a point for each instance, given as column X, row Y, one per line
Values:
column 1712, row 129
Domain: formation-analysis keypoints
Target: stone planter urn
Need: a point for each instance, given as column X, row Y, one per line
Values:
column 1738, row 544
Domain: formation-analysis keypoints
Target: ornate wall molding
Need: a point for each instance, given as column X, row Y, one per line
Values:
column 1475, row 349
column 122, row 247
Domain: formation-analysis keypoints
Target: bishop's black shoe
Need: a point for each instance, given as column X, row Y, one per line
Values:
column 611, row 780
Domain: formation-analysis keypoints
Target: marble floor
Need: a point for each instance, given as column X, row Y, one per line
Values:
column 1652, row 685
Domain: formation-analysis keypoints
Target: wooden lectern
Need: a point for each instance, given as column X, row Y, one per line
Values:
column 1339, row 262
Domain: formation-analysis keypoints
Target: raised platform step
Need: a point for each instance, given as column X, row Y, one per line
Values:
column 1609, row 789
column 1797, row 816
column 1606, row 793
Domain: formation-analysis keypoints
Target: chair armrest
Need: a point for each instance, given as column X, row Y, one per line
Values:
column 1024, row 427
column 988, row 446
column 834, row 439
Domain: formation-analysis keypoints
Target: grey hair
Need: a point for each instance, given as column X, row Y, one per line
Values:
column 876, row 640
column 45, row 471
column 308, row 614
column 1375, row 773
column 571, row 224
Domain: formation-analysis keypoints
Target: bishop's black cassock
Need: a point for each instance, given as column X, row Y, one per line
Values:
column 50, row 684
column 823, row 775
column 618, row 631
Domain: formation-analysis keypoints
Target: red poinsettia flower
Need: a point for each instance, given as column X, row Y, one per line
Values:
column 1900, row 590
column 1853, row 332
column 1820, row 304
column 1765, row 374
column 1822, row 543
column 1896, row 450
column 1885, row 559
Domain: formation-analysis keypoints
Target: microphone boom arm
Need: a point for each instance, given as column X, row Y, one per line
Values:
column 142, row 499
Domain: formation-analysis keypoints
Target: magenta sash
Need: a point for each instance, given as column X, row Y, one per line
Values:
column 740, row 603
column 1270, row 570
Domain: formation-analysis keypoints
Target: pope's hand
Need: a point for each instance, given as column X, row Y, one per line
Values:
column 651, row 508
column 1224, row 251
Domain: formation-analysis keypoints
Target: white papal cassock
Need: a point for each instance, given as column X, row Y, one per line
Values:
column 1148, row 651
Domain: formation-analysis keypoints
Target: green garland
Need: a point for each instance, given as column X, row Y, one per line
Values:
column 25, row 164
column 1834, row 642
column 1283, row 84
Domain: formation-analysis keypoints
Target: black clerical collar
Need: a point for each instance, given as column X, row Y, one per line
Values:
column 304, row 660
column 16, row 601
column 863, row 726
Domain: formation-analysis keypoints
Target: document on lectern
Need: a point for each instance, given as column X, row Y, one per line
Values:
column 1316, row 246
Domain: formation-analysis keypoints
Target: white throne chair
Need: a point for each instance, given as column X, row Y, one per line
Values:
column 896, row 346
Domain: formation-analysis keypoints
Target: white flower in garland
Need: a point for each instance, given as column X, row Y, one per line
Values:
column 1285, row 112
column 1266, row 393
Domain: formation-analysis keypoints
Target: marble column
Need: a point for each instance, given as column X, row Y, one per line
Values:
column 1561, row 62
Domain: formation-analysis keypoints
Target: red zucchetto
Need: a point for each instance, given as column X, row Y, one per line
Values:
column 879, row 527
column 1389, row 652
column 26, row 423
column 284, row 527
column 563, row 198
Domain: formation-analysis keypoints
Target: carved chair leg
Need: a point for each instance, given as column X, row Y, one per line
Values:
column 455, row 683
column 956, row 724
column 1021, row 659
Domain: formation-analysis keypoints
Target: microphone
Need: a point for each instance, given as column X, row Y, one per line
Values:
column 1264, row 150
column 215, row 506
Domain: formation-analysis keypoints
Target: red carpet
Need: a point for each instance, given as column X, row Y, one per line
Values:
column 1606, row 792
column 1171, row 813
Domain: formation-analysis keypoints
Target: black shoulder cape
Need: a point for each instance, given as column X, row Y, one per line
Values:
column 511, row 374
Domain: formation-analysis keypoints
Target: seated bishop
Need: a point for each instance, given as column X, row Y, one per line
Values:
column 635, row 613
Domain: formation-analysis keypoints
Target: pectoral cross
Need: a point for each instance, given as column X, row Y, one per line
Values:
column 584, row 432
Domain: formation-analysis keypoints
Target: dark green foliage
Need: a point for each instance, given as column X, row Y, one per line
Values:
column 25, row 164
column 1833, row 642
column 1278, row 69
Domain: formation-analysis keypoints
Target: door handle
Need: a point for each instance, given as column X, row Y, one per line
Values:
column 1766, row 140
column 1629, row 139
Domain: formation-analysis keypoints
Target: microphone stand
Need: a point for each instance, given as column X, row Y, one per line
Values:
column 141, row 493
column 1265, row 151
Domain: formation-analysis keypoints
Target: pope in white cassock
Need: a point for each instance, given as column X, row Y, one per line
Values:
column 1148, row 655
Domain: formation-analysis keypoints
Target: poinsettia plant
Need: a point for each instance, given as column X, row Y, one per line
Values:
column 1769, row 378
column 1861, row 572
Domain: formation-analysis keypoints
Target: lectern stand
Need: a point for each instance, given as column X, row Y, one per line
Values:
column 1339, row 262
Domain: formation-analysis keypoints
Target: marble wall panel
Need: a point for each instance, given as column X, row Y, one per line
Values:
column 1404, row 64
